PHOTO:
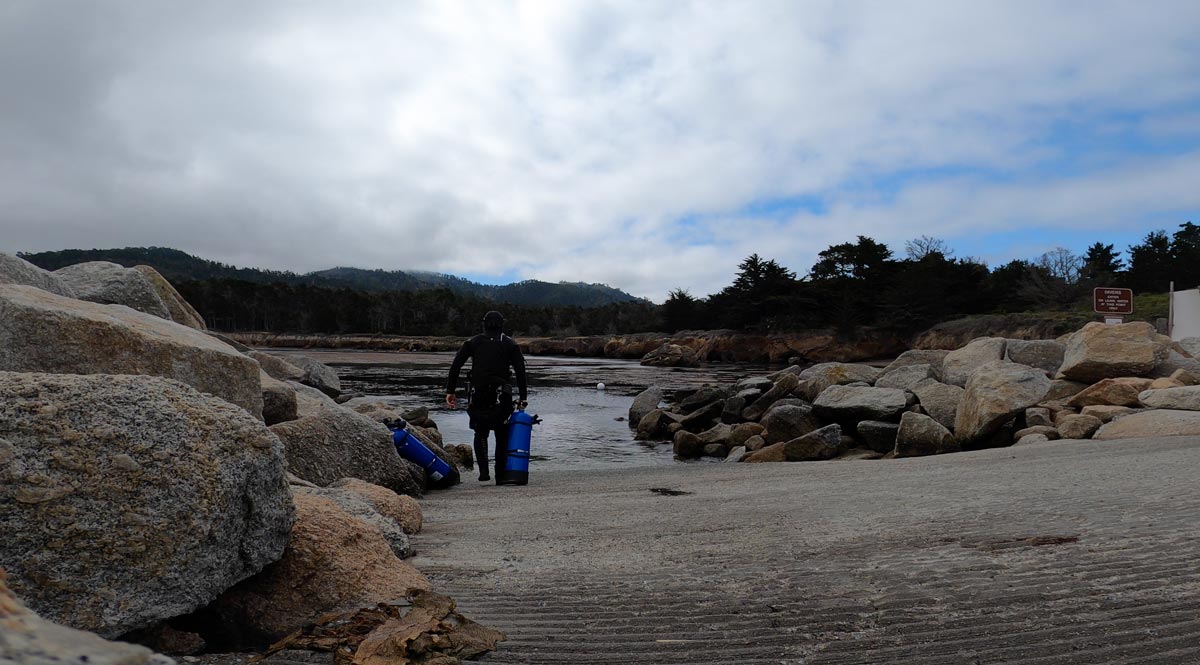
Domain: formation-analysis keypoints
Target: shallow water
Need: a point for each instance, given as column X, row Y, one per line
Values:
column 582, row 427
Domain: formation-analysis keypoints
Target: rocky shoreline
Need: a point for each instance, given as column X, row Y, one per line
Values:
column 169, row 486
column 1122, row 381
column 709, row 345
column 163, row 486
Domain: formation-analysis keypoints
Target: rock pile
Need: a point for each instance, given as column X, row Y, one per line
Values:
column 1098, row 382
column 152, row 474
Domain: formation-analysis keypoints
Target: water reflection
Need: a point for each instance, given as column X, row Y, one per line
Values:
column 580, row 427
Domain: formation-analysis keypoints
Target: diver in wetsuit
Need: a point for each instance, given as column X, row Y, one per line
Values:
column 490, row 404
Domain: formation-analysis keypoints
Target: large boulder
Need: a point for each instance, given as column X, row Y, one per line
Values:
column 653, row 425
column 823, row 444
column 400, row 507
column 15, row 270
column 850, row 404
column 336, row 443
column 933, row 358
column 906, row 377
column 1098, row 351
column 111, row 284
column 180, row 310
column 277, row 367
column 997, row 393
column 741, row 433
column 279, row 399
column 1157, row 422
column 1183, row 399
column 1121, row 391
column 939, row 401
column 333, row 563
column 311, row 402
column 686, row 444
column 317, row 374
column 1045, row 354
column 671, row 355
column 921, row 435
column 645, row 402
column 815, row 379
column 42, row 332
column 1076, row 426
column 127, row 500
column 961, row 363
column 27, row 639
column 782, row 388
column 878, row 435
column 787, row 422
column 359, row 507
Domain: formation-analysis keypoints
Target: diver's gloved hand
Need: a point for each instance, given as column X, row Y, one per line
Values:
column 522, row 404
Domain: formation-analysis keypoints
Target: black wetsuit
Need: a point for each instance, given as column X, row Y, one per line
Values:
column 491, row 400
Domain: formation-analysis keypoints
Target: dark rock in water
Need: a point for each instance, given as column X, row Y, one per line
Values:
column 127, row 500
column 749, row 394
column 645, row 402
column 878, row 435
column 823, row 444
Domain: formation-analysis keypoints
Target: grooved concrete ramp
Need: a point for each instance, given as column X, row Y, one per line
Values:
column 1065, row 552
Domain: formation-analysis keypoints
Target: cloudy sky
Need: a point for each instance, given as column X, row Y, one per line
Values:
column 648, row 145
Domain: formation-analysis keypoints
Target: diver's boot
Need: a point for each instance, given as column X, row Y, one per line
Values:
column 481, row 457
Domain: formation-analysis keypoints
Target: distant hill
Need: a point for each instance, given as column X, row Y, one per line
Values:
column 180, row 266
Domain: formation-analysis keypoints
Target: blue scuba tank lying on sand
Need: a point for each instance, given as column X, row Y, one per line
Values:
column 410, row 448
column 520, row 439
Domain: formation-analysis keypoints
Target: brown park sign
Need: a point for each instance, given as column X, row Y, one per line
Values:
column 1113, row 301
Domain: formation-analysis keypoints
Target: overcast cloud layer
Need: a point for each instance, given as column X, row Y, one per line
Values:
column 647, row 145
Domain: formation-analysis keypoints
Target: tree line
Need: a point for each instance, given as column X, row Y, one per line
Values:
column 863, row 284
column 852, row 284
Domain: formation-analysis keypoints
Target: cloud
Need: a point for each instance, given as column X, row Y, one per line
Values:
column 600, row 141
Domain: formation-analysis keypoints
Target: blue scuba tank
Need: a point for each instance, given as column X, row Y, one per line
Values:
column 520, row 439
column 410, row 448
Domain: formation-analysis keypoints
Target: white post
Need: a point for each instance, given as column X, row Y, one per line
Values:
column 1171, row 311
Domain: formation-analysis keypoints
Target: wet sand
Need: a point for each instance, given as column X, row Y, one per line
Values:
column 1064, row 552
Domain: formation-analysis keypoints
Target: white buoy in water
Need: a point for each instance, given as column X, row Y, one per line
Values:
column 600, row 386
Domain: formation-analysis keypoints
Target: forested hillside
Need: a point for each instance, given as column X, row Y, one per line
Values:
column 853, row 284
